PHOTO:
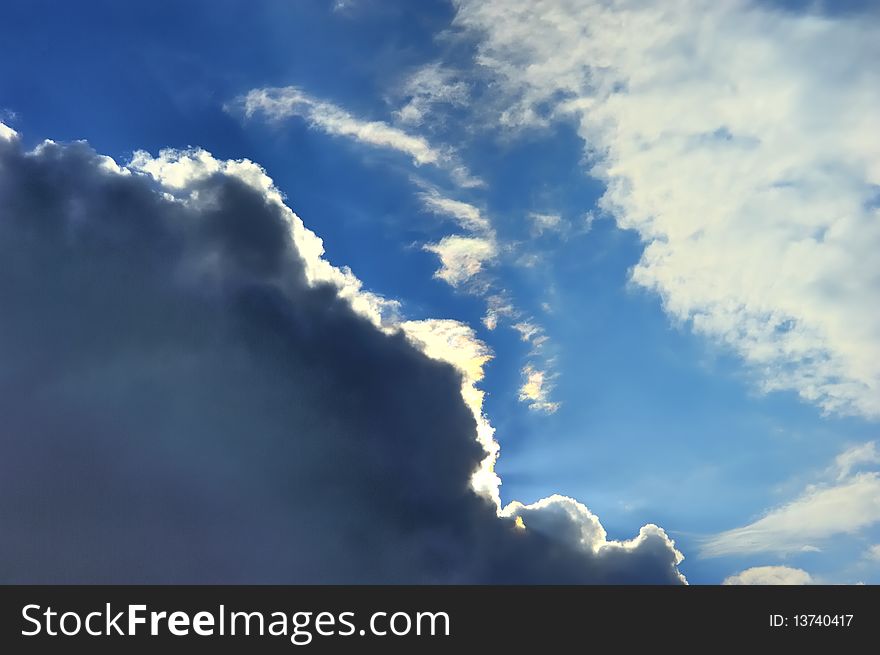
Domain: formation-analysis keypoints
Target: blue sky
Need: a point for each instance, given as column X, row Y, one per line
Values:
column 651, row 416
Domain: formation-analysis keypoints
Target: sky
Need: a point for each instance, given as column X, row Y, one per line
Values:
column 590, row 285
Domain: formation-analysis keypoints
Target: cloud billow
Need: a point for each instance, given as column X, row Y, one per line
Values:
column 182, row 404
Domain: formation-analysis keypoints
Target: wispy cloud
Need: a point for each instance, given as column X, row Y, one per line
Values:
column 855, row 457
column 466, row 215
column 847, row 505
column 742, row 143
column 464, row 261
column 428, row 87
column 278, row 103
column 284, row 102
column 536, row 388
column 542, row 223
column 531, row 333
column 465, row 258
column 498, row 307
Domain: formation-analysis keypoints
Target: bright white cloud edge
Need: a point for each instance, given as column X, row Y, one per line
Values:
column 178, row 173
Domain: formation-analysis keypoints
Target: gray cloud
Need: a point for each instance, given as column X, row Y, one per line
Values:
column 180, row 404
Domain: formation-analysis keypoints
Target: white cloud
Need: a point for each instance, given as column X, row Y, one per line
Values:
column 466, row 215
column 742, row 142
column 589, row 218
column 7, row 132
column 498, row 307
column 431, row 85
column 462, row 258
column 770, row 575
column 536, row 389
column 278, row 103
column 531, row 333
column 284, row 102
column 528, row 330
column 873, row 552
column 855, row 457
column 542, row 223
column 847, row 505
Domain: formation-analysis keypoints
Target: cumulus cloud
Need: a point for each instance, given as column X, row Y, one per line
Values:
column 847, row 505
column 770, row 575
column 566, row 520
column 278, row 103
column 188, row 396
column 741, row 141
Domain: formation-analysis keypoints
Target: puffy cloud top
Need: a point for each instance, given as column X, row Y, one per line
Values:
column 770, row 575
column 189, row 395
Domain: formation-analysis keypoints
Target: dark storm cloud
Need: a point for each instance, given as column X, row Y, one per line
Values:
column 179, row 405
